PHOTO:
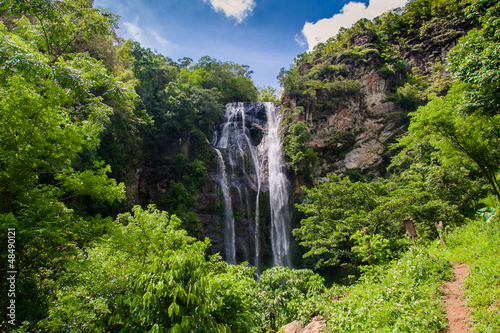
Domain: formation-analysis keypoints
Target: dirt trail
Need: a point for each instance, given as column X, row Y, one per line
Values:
column 456, row 311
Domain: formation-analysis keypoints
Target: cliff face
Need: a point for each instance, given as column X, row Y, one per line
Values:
column 354, row 92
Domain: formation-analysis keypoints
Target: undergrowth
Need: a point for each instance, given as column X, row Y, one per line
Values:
column 478, row 245
column 403, row 296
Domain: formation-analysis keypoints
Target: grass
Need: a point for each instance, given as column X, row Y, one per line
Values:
column 403, row 296
column 478, row 245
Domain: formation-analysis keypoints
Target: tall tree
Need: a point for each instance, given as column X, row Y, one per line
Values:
column 53, row 107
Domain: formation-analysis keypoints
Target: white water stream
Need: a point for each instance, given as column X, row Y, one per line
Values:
column 242, row 168
column 279, row 191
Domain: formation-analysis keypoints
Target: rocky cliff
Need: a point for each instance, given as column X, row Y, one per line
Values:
column 354, row 92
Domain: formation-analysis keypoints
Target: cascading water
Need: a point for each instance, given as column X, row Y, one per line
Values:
column 228, row 213
column 279, row 192
column 249, row 151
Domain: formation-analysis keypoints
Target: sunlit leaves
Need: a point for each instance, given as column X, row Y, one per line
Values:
column 339, row 209
column 460, row 137
column 53, row 105
column 476, row 58
column 61, row 23
column 288, row 295
column 403, row 296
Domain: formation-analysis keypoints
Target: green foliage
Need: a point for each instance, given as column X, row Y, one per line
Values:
column 469, row 141
column 232, row 80
column 476, row 59
column 335, row 211
column 181, row 200
column 269, row 94
column 238, row 294
column 103, row 275
column 173, row 294
column 61, row 24
column 289, row 294
column 403, row 296
column 408, row 97
column 354, row 176
column 477, row 244
column 53, row 107
column 148, row 275
column 338, row 209
column 378, row 252
column 200, row 146
column 487, row 213
column 70, row 120
column 303, row 158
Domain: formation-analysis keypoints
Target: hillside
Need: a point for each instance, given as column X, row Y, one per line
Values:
column 355, row 91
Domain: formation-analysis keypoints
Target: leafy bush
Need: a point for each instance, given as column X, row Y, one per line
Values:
column 339, row 208
column 289, row 294
column 408, row 97
column 303, row 158
column 403, row 296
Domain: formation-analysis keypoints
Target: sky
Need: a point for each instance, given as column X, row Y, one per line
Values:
column 263, row 34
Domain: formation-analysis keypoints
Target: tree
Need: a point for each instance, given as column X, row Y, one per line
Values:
column 269, row 94
column 231, row 79
column 148, row 275
column 461, row 139
column 338, row 209
column 289, row 294
column 53, row 109
column 62, row 23
column 476, row 58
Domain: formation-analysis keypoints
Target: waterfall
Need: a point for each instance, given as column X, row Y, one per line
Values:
column 279, row 192
column 248, row 148
column 228, row 213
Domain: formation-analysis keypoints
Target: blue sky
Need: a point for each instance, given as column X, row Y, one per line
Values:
column 264, row 34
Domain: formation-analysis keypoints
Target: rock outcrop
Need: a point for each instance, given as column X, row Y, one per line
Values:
column 315, row 326
column 352, row 99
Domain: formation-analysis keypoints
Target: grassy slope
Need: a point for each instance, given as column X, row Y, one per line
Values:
column 405, row 295
column 478, row 244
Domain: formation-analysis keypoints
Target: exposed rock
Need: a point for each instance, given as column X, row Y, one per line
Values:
column 367, row 156
column 315, row 326
column 211, row 226
column 342, row 121
column 347, row 93
column 381, row 108
column 375, row 88
column 363, row 38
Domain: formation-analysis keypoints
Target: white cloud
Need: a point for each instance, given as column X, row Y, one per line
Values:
column 148, row 37
column 323, row 29
column 160, row 40
column 134, row 31
column 301, row 39
column 238, row 9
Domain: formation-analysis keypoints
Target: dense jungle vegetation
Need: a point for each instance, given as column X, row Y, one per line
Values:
column 81, row 110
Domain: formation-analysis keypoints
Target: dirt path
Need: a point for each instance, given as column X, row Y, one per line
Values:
column 456, row 311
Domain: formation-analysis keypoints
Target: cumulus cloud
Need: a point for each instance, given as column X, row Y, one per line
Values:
column 147, row 37
column 237, row 9
column 320, row 31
